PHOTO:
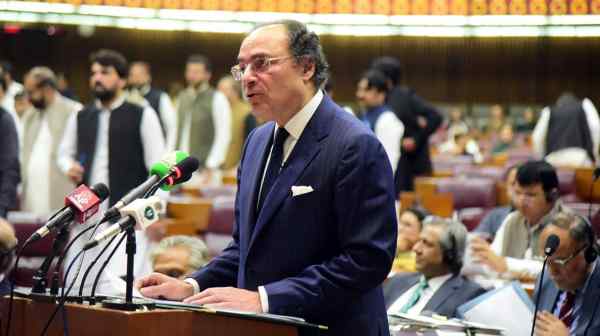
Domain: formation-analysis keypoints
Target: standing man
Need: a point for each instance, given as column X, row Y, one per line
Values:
column 12, row 88
column 44, row 184
column 420, row 120
column 140, row 83
column 571, row 286
column 113, row 142
column 9, row 157
column 203, row 118
column 315, row 229
column 371, row 92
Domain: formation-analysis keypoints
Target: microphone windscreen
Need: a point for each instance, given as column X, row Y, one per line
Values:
column 101, row 190
column 163, row 167
column 552, row 244
column 188, row 165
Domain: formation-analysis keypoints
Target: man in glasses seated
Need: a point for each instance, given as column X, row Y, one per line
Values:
column 571, row 286
column 179, row 256
column 8, row 245
column 437, row 287
column 513, row 254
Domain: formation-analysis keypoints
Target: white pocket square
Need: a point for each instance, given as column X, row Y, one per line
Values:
column 301, row 190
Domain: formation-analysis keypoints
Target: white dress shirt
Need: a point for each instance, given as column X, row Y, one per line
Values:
column 434, row 284
column 221, row 116
column 389, row 130
column 8, row 103
column 153, row 143
column 295, row 126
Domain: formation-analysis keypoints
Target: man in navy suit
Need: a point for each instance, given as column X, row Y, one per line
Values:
column 438, row 286
column 571, row 287
column 315, row 229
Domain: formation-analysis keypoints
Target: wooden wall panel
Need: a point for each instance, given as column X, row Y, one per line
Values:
column 454, row 70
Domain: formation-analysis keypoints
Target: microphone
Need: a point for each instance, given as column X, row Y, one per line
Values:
column 80, row 205
column 142, row 212
column 158, row 171
column 552, row 244
column 179, row 173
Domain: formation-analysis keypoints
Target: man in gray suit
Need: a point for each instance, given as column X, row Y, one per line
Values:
column 571, row 286
column 437, row 287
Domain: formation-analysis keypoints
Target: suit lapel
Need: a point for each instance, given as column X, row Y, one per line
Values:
column 443, row 293
column 255, row 167
column 305, row 150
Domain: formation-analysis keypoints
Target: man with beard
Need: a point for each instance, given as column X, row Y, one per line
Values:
column 140, row 81
column 113, row 142
column 204, row 118
column 44, row 184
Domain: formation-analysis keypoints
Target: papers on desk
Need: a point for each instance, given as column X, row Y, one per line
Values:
column 508, row 307
column 420, row 322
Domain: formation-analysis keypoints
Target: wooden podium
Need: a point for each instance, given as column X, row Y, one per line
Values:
column 29, row 318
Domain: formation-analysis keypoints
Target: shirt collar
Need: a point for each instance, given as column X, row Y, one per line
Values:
column 436, row 282
column 296, row 125
column 118, row 102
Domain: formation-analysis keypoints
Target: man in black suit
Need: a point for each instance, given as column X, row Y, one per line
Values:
column 420, row 120
column 9, row 158
column 437, row 287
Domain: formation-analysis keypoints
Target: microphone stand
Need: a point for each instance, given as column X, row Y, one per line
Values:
column 40, row 281
column 537, row 297
column 129, row 304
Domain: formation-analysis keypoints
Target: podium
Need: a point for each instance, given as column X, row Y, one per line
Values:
column 29, row 318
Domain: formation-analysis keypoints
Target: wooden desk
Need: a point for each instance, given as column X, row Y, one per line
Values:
column 29, row 318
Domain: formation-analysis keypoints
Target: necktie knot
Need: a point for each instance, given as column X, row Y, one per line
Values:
column 274, row 165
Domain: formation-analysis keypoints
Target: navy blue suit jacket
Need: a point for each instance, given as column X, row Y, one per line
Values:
column 589, row 320
column 453, row 293
column 321, row 255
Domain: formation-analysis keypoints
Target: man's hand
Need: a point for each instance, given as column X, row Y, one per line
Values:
column 409, row 144
column 483, row 253
column 228, row 297
column 75, row 173
column 547, row 324
column 159, row 285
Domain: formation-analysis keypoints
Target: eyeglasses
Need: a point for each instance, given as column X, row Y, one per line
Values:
column 563, row 262
column 259, row 65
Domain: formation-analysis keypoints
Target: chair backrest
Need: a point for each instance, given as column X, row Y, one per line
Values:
column 469, row 192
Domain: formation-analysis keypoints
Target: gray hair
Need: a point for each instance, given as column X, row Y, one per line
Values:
column 44, row 76
column 198, row 250
column 304, row 44
column 452, row 241
column 578, row 226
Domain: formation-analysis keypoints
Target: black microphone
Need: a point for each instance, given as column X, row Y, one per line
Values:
column 81, row 204
column 552, row 243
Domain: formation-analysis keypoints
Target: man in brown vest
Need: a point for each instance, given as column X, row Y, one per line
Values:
column 204, row 117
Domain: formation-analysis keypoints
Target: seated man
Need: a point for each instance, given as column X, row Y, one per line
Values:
column 513, row 254
column 179, row 256
column 569, row 289
column 491, row 222
column 437, row 287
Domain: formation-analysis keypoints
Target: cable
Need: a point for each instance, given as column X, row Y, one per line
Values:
column 93, row 293
column 12, row 286
column 64, row 295
column 92, row 264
